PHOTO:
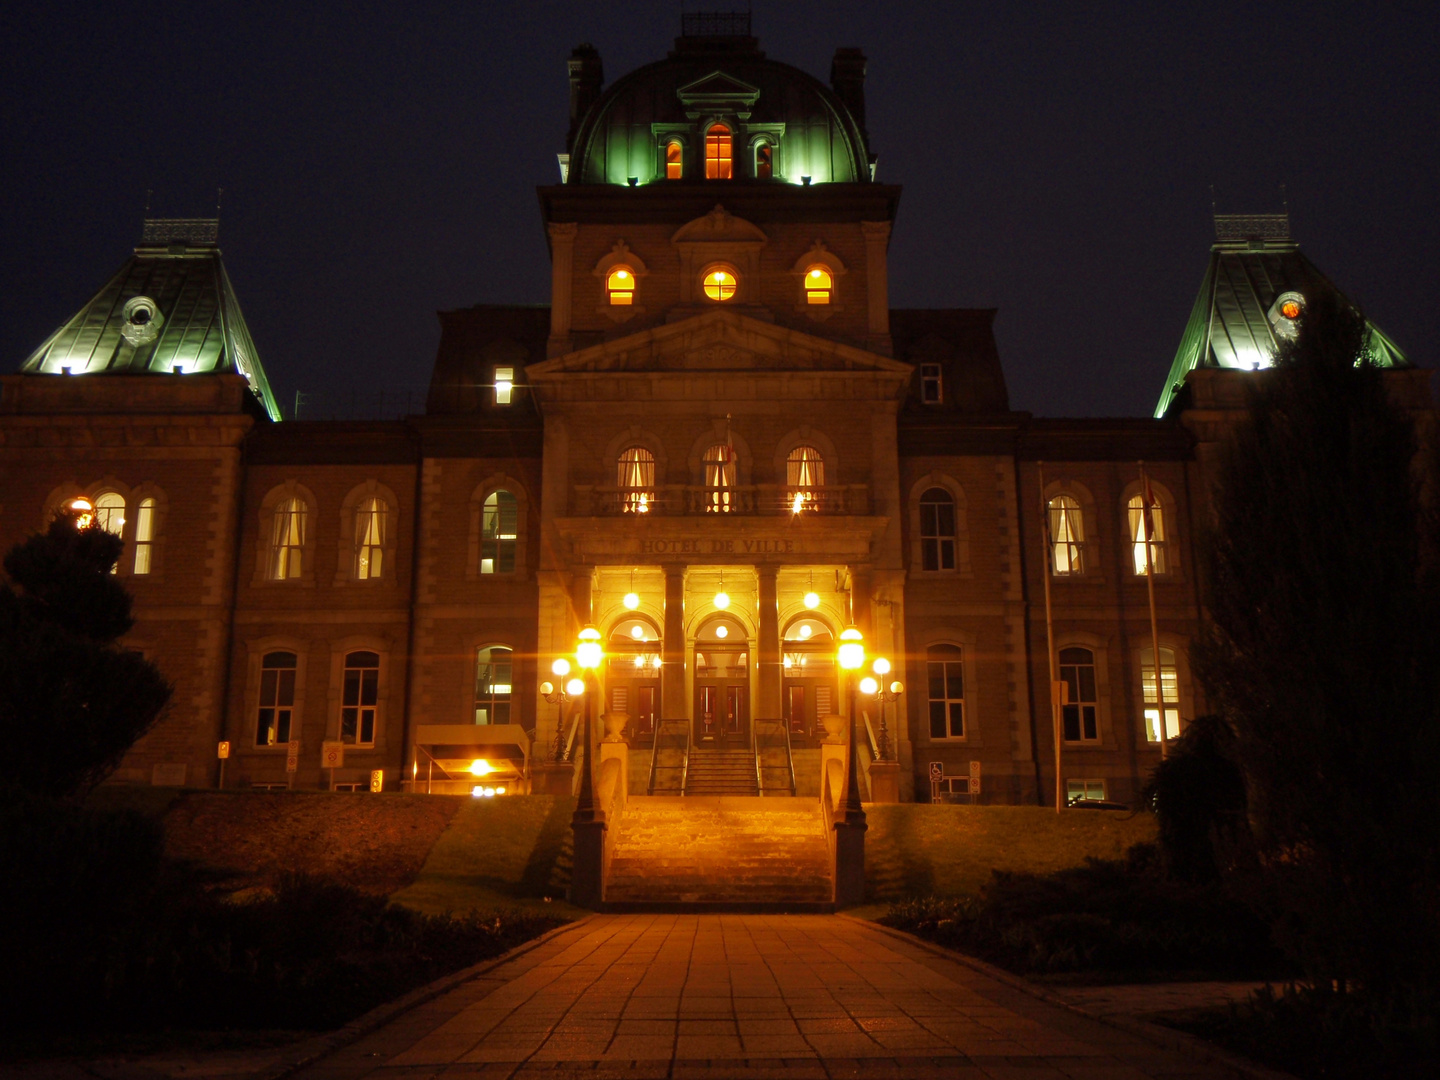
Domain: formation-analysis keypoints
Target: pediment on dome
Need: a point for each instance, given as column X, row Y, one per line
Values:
column 718, row 226
column 718, row 90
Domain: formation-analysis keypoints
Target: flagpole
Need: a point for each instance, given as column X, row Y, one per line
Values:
column 1147, row 526
column 1055, row 731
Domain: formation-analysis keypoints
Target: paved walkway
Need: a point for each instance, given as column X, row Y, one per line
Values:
column 795, row 996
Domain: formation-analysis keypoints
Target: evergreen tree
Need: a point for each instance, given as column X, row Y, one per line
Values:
column 71, row 701
column 1323, row 655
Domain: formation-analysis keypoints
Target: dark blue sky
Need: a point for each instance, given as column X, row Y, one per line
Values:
column 379, row 163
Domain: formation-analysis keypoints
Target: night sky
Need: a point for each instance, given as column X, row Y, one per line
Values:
column 380, row 162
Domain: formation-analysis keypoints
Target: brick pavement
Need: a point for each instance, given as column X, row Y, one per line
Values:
column 792, row 996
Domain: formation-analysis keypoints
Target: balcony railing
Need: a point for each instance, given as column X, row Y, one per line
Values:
column 678, row 500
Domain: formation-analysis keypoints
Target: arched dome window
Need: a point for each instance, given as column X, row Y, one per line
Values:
column 819, row 284
column 674, row 164
column 635, row 477
column 620, row 285
column 720, row 283
column 719, row 164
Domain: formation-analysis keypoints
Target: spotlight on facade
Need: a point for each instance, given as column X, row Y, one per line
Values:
column 812, row 600
column 632, row 600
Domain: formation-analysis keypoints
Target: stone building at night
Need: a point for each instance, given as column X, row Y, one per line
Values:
column 718, row 443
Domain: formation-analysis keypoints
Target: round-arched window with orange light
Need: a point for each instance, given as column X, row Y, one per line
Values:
column 819, row 284
column 620, row 285
column 720, row 283
column 1290, row 309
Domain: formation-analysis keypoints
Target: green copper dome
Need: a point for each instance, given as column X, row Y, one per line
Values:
column 781, row 121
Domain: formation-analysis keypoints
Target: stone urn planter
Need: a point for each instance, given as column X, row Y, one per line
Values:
column 834, row 729
column 615, row 726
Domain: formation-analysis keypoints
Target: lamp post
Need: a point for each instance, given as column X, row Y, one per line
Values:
column 875, row 685
column 850, row 826
column 560, row 695
column 587, row 888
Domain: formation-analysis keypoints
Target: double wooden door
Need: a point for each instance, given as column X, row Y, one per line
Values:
column 722, row 711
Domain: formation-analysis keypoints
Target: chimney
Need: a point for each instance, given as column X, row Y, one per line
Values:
column 586, row 78
column 847, row 79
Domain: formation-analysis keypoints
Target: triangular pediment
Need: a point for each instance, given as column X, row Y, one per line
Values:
column 719, row 226
column 717, row 341
column 718, row 90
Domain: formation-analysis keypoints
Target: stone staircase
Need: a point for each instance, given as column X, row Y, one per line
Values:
column 735, row 853
column 719, row 771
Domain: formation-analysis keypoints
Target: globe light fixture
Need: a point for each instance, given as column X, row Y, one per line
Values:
column 561, row 667
column 722, row 631
column 868, row 685
column 881, row 666
column 722, row 600
column 656, row 661
column 851, row 654
column 637, row 632
column 897, row 688
column 812, row 600
column 547, row 688
column 588, row 652
column 575, row 687
column 805, row 631
column 632, row 600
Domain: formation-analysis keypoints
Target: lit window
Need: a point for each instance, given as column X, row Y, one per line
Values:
column 277, row 699
column 819, row 283
column 937, row 530
column 361, row 693
column 1067, row 535
column 804, row 475
column 1137, row 535
column 620, row 285
column 1285, row 315
column 1169, row 685
column 370, row 539
column 499, row 531
column 144, row 535
column 930, row 384
column 1077, row 672
column 635, row 477
column 764, row 160
column 1084, row 791
column 287, row 540
column 718, row 165
column 674, row 167
column 110, row 512
column 946, row 678
column 719, row 478
column 504, row 384
column 720, row 284
column 492, row 685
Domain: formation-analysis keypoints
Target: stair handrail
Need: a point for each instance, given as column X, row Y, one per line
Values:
column 870, row 731
column 755, row 750
column 655, row 755
column 570, row 742
column 789, row 757
column 685, row 761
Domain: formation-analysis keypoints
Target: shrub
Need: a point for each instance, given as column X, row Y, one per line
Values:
column 1198, row 796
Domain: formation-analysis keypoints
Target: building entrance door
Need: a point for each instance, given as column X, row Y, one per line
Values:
column 721, row 714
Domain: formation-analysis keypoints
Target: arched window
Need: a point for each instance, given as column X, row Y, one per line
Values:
column 110, row 512
column 819, row 284
column 718, row 163
column 287, row 539
column 493, row 674
column 1169, row 685
column 719, row 478
column 937, row 530
column 277, row 699
column 1077, row 672
column 1067, row 535
column 499, row 531
column 360, row 697
column 674, row 166
column 635, row 477
column 620, row 285
column 945, row 671
column 804, row 475
column 764, row 161
column 370, row 525
column 145, row 535
column 1137, row 516
column 719, row 284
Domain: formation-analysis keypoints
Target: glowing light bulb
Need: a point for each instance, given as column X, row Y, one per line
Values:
column 851, row 653
column 588, row 652
column 868, row 685
column 798, row 503
column 812, row 600
column 815, row 274
column 637, row 632
column 881, row 666
column 722, row 631
column 722, row 600
column 547, row 688
column 632, row 600
column 639, row 659
column 805, row 631
column 789, row 662
column 561, row 667
column 655, row 661
column 575, row 687
column 897, row 687
column 481, row 767
column 643, row 506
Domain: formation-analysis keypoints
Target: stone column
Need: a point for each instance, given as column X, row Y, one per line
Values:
column 581, row 585
column 672, row 684
column 768, row 698
column 877, row 274
column 562, row 275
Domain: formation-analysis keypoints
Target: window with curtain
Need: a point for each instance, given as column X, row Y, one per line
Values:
column 946, row 691
column 499, row 532
column 145, row 535
column 275, row 719
column 110, row 512
column 804, row 474
column 370, row 524
column 493, row 672
column 718, row 162
column 1067, row 535
column 1169, row 685
column 674, row 160
column 937, row 530
column 287, row 539
column 719, row 478
column 1078, row 716
column 360, row 697
column 1137, row 535
column 635, row 477
column 764, row 161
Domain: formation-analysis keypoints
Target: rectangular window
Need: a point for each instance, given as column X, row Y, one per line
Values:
column 277, row 699
column 500, row 529
column 1084, row 791
column 360, row 697
column 504, row 384
column 492, row 685
column 946, row 692
column 930, row 384
column 144, row 535
column 1170, row 685
column 1077, row 672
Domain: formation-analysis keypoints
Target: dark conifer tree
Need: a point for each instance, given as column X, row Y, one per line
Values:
column 71, row 701
column 1323, row 654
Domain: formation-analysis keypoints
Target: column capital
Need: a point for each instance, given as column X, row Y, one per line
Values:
column 565, row 230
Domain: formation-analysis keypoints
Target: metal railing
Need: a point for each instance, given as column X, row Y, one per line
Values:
column 782, row 741
column 870, row 732
column 687, row 500
column 683, row 747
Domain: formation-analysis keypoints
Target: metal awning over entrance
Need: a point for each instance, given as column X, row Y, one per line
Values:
column 465, row 759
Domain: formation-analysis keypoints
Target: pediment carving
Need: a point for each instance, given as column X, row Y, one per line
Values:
column 719, row 226
column 718, row 91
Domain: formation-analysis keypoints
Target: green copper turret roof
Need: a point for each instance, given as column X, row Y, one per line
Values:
column 170, row 310
column 1236, row 322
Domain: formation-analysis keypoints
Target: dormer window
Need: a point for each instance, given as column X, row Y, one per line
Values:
column 620, row 284
column 819, row 283
column 719, row 164
column 674, row 166
column 930, row 384
column 720, row 283
column 764, row 161
column 504, row 384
